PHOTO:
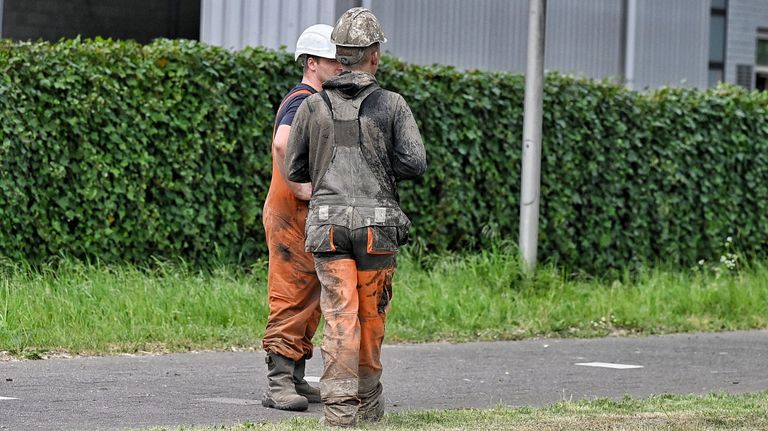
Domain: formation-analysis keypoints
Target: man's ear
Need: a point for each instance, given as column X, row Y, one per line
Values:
column 311, row 63
column 375, row 56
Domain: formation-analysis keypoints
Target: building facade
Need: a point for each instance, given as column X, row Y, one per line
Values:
column 746, row 51
column 642, row 43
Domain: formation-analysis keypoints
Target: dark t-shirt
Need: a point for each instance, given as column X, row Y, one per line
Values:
column 285, row 115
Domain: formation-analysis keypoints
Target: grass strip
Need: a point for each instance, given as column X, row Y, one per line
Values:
column 664, row 412
column 86, row 308
column 484, row 296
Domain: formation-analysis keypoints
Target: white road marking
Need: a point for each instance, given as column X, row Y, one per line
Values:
column 237, row 401
column 7, row 398
column 312, row 379
column 608, row 365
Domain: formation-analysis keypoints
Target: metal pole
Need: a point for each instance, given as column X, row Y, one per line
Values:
column 531, row 176
column 631, row 40
column 622, row 77
column 205, row 21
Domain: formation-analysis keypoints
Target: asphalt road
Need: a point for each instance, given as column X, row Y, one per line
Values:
column 122, row 392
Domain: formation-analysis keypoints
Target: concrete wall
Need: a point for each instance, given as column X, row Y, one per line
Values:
column 672, row 43
column 583, row 37
column 455, row 32
column 236, row 24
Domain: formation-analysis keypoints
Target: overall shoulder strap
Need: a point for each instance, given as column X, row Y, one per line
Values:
column 327, row 100
column 287, row 100
column 343, row 128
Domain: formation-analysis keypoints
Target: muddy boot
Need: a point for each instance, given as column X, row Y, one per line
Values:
column 281, row 392
column 371, row 400
column 340, row 402
column 303, row 388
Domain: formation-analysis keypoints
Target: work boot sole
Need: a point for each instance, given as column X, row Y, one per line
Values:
column 297, row 406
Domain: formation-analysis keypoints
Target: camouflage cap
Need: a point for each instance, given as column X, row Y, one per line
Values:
column 357, row 28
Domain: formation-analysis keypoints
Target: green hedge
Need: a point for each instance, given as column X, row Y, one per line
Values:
column 118, row 151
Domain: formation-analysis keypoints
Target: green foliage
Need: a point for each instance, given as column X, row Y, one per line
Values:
column 628, row 179
column 119, row 151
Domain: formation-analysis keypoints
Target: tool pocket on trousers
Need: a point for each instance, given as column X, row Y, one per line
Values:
column 319, row 239
column 382, row 239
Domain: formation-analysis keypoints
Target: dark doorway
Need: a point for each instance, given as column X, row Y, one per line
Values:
column 139, row 20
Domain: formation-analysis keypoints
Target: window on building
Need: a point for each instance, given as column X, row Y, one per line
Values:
column 744, row 73
column 761, row 60
column 762, row 52
column 762, row 49
column 717, row 35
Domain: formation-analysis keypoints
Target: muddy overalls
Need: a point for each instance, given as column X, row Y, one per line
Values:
column 294, row 290
column 354, row 228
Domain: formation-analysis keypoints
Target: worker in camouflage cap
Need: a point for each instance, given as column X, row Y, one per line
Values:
column 355, row 142
column 357, row 27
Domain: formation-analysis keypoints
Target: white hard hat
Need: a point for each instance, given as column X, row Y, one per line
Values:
column 316, row 41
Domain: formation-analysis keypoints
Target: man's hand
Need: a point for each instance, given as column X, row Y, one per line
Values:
column 302, row 191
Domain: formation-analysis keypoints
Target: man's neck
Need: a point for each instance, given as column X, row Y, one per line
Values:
column 313, row 82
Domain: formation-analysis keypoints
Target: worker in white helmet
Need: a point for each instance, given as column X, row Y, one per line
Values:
column 294, row 289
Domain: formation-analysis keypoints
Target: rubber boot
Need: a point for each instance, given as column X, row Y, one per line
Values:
column 281, row 392
column 312, row 394
column 339, row 408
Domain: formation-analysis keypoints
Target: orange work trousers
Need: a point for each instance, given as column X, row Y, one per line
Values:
column 294, row 289
column 354, row 299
